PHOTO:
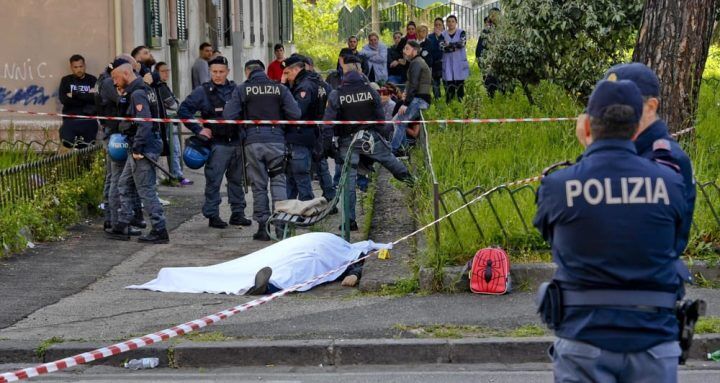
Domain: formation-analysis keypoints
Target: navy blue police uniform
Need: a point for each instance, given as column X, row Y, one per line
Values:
column 612, row 221
column 655, row 142
column 320, row 151
column 226, row 157
column 301, row 139
column 144, row 138
column 355, row 100
column 260, row 98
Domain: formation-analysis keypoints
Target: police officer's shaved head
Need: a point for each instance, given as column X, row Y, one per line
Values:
column 122, row 74
column 615, row 109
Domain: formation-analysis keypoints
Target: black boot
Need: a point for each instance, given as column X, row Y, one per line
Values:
column 155, row 237
column 353, row 226
column 138, row 220
column 262, row 280
column 217, row 222
column 237, row 219
column 107, row 226
column 120, row 232
column 262, row 234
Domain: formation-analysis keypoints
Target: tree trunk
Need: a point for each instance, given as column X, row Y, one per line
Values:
column 674, row 40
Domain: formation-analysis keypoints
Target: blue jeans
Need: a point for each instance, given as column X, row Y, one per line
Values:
column 143, row 174
column 575, row 361
column 174, row 159
column 395, row 80
column 224, row 160
column 412, row 113
column 299, row 183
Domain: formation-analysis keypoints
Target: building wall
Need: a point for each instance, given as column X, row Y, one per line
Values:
column 45, row 33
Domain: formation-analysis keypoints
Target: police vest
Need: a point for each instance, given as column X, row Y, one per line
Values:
column 262, row 100
column 355, row 103
column 217, row 103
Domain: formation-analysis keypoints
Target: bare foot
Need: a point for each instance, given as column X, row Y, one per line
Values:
column 350, row 281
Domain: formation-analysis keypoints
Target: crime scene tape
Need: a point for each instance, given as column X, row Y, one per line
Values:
column 187, row 327
column 291, row 122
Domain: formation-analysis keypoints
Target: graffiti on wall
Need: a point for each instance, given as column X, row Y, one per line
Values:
column 26, row 72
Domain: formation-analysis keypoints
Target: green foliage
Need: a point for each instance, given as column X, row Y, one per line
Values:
column 452, row 331
column 570, row 43
column 48, row 215
column 46, row 344
column 708, row 325
column 487, row 155
column 316, row 28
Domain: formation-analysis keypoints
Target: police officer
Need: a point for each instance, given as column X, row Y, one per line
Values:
column 260, row 98
column 654, row 140
column 301, row 139
column 613, row 220
column 226, row 153
column 111, row 103
column 356, row 100
column 145, row 145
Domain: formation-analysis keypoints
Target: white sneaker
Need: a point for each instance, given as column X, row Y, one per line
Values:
column 164, row 202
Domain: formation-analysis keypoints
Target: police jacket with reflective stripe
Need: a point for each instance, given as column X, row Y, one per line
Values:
column 613, row 220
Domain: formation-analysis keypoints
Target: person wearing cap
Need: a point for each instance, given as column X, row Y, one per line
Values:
column 356, row 100
column 301, row 139
column 145, row 149
column 260, row 98
column 654, row 140
column 334, row 78
column 417, row 93
column 226, row 157
column 612, row 221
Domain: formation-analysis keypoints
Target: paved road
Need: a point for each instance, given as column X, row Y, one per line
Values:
column 526, row 373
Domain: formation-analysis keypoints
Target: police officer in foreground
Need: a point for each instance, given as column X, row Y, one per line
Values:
column 145, row 146
column 226, row 154
column 654, row 141
column 613, row 220
column 301, row 139
column 356, row 100
column 260, row 98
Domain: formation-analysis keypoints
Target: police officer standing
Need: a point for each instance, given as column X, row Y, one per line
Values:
column 260, row 98
column 356, row 100
column 301, row 139
column 613, row 220
column 226, row 153
column 654, row 140
column 145, row 146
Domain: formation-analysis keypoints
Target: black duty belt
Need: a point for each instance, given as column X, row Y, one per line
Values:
column 635, row 298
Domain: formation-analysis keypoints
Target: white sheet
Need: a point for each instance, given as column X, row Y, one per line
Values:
column 293, row 261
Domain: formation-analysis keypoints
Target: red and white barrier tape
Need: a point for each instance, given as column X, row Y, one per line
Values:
column 188, row 327
column 291, row 122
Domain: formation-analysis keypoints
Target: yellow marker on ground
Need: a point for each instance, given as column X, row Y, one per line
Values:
column 384, row 254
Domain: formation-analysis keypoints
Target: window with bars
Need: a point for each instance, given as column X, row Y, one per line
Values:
column 252, row 22
column 153, row 27
column 285, row 20
column 182, row 30
column 262, row 24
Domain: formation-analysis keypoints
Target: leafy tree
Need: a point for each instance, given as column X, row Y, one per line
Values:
column 568, row 42
column 316, row 28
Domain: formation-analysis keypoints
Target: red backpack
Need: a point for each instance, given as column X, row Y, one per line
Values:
column 490, row 272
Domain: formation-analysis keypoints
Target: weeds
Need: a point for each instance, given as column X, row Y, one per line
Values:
column 46, row 344
column 451, row 331
column 708, row 325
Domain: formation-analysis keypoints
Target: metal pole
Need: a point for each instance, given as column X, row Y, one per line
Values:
column 436, row 211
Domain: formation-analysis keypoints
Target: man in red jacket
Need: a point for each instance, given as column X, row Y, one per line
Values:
column 275, row 69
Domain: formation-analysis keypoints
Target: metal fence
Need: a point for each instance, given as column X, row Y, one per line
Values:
column 358, row 20
column 27, row 181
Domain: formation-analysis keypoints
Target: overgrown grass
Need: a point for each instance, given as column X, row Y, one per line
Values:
column 484, row 156
column 451, row 331
column 48, row 215
column 708, row 325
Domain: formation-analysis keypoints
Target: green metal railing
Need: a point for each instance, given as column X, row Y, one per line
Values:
column 26, row 181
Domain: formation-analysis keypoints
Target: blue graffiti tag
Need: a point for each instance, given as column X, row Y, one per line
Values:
column 32, row 95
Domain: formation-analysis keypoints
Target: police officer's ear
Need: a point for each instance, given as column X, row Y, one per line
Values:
column 582, row 130
column 650, row 105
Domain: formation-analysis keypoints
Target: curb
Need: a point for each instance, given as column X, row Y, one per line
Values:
column 337, row 352
column 525, row 276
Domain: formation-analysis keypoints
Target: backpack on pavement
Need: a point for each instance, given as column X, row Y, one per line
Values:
column 490, row 272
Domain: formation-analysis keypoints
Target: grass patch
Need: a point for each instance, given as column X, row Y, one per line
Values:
column 49, row 214
column 451, row 331
column 368, row 203
column 210, row 336
column 400, row 288
column 708, row 325
column 484, row 156
column 46, row 344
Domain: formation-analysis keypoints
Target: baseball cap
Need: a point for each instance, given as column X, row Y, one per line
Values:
column 292, row 60
column 255, row 62
column 608, row 93
column 639, row 73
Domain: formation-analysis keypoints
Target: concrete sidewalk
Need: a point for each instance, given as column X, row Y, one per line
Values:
column 330, row 324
